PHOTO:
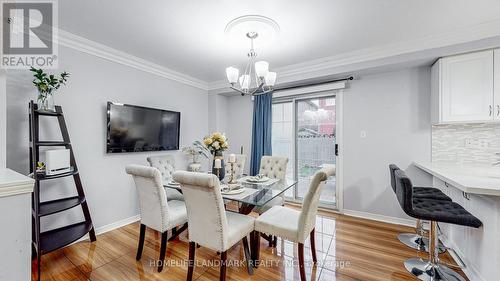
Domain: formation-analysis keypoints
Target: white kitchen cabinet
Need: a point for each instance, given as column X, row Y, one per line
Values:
column 462, row 89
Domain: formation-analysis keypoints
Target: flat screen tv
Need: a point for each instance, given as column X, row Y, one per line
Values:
column 134, row 128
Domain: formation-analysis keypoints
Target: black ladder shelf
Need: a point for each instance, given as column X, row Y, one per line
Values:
column 48, row 241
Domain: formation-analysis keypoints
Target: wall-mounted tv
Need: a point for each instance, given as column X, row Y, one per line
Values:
column 134, row 128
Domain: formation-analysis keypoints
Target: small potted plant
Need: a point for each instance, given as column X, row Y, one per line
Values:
column 195, row 150
column 47, row 85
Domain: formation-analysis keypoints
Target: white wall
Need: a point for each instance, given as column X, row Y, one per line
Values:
column 110, row 192
column 3, row 118
column 218, row 113
column 239, row 124
column 393, row 109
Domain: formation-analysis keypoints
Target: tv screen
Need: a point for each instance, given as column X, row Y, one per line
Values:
column 134, row 129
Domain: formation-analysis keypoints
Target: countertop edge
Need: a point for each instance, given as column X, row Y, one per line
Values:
column 451, row 181
column 19, row 184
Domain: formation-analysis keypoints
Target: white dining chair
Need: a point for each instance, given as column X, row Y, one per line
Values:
column 156, row 212
column 166, row 165
column 210, row 225
column 273, row 167
column 239, row 166
column 294, row 225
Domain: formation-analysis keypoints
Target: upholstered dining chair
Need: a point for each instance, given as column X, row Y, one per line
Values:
column 294, row 225
column 156, row 212
column 166, row 165
column 239, row 166
column 210, row 225
column 273, row 167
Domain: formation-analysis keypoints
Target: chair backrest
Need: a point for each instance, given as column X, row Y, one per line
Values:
column 239, row 166
column 152, row 196
column 273, row 167
column 207, row 222
column 404, row 191
column 393, row 168
column 164, row 163
column 307, row 219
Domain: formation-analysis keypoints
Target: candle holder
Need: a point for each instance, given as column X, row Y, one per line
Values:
column 232, row 177
column 217, row 172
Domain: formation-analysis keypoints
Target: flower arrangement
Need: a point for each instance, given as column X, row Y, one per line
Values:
column 47, row 85
column 196, row 149
column 216, row 143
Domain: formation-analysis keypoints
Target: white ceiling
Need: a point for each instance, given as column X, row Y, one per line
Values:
column 188, row 36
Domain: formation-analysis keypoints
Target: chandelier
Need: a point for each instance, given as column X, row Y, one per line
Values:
column 256, row 78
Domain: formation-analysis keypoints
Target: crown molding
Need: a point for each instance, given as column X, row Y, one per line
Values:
column 293, row 72
column 84, row 45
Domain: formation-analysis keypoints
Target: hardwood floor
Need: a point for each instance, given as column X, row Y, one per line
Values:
column 348, row 249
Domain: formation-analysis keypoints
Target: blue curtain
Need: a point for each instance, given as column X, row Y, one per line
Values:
column 261, row 130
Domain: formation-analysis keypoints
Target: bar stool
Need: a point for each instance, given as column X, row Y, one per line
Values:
column 434, row 211
column 417, row 240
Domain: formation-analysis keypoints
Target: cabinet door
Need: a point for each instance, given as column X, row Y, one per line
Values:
column 467, row 87
column 496, row 73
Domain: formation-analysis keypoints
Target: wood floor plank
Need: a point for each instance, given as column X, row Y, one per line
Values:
column 348, row 249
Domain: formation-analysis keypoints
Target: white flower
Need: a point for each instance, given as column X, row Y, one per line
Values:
column 216, row 145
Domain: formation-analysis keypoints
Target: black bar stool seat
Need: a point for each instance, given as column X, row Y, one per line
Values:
column 443, row 211
column 419, row 191
column 430, row 193
column 417, row 240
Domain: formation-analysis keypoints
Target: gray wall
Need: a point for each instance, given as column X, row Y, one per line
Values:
column 3, row 117
column 393, row 109
column 239, row 124
column 110, row 192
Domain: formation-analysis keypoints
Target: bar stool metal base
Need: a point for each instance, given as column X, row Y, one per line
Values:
column 418, row 242
column 425, row 271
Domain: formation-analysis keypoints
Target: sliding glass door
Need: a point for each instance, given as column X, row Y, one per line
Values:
column 304, row 130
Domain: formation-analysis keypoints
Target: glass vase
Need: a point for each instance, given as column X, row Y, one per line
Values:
column 42, row 102
column 221, row 173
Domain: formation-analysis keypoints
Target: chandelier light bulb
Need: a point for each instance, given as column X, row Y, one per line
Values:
column 261, row 68
column 232, row 74
column 245, row 81
column 270, row 79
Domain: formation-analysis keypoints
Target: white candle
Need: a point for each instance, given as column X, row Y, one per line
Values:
column 232, row 158
column 217, row 164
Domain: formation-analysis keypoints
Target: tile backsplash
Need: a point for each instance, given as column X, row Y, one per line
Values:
column 466, row 143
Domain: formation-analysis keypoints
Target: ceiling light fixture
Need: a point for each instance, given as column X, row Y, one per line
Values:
column 256, row 78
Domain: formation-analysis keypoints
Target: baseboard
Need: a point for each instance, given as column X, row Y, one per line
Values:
column 112, row 226
column 470, row 270
column 381, row 218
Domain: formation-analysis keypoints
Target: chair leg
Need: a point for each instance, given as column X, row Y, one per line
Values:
column 141, row 242
column 301, row 262
column 313, row 246
column 163, row 249
column 256, row 249
column 275, row 241
column 192, row 249
column 223, row 263
column 248, row 257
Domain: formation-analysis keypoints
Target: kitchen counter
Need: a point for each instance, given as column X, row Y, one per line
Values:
column 15, row 218
column 13, row 183
column 470, row 179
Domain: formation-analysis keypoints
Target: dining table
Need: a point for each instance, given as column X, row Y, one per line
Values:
column 253, row 194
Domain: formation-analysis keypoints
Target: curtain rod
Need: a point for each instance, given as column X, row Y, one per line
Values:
column 309, row 84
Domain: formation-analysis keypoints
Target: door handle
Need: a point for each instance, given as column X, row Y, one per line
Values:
column 491, row 110
column 498, row 109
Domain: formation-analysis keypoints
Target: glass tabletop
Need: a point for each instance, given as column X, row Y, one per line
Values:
column 256, row 194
